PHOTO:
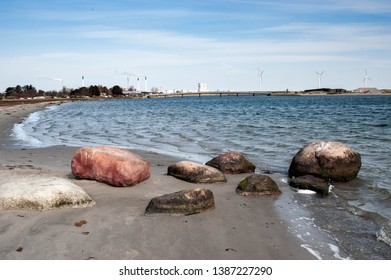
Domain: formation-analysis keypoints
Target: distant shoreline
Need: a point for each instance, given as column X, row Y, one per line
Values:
column 13, row 102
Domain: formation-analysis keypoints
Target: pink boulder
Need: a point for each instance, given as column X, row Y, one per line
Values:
column 116, row 167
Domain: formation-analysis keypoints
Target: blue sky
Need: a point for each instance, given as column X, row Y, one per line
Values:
column 177, row 44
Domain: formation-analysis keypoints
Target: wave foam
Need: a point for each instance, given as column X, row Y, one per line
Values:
column 20, row 133
column 336, row 255
column 384, row 235
column 312, row 251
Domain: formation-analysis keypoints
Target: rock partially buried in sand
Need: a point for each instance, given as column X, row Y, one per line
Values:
column 42, row 193
column 116, row 167
column 258, row 185
column 329, row 160
column 309, row 182
column 187, row 202
column 196, row 173
column 232, row 163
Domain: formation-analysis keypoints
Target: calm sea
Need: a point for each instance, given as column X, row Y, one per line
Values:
column 269, row 130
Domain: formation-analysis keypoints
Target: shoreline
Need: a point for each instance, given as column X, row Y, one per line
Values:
column 28, row 102
column 239, row 227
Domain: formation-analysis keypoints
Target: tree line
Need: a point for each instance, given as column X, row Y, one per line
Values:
column 29, row 91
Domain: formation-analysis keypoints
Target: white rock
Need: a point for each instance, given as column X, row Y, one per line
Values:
column 42, row 193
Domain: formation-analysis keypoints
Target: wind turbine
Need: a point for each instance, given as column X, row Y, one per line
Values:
column 319, row 77
column 260, row 73
column 366, row 78
column 138, row 81
column 59, row 80
column 138, row 76
column 54, row 79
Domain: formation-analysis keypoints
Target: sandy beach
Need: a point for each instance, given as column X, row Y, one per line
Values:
column 116, row 227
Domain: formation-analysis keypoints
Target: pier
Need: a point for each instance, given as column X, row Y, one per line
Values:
column 216, row 93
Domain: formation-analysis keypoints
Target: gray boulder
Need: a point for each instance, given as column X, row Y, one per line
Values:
column 329, row 160
column 196, row 173
column 185, row 202
column 258, row 185
column 232, row 163
column 309, row 182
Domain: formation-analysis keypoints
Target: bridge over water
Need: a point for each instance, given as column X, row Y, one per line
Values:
column 217, row 93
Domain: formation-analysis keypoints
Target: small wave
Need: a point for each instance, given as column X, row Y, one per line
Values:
column 381, row 125
column 336, row 255
column 33, row 118
column 284, row 180
column 241, row 126
column 380, row 191
column 20, row 134
column 312, row 251
column 305, row 191
column 356, row 211
column 384, row 235
column 52, row 108
column 25, row 131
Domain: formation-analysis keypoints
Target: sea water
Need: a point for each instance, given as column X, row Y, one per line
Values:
column 269, row 130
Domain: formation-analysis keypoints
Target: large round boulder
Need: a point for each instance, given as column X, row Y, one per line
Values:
column 325, row 159
column 196, row 173
column 113, row 166
column 258, row 185
column 186, row 202
column 232, row 163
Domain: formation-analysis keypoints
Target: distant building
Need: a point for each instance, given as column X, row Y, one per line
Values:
column 367, row 90
column 202, row 87
column 327, row 90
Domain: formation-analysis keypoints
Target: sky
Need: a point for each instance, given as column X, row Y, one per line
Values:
column 177, row 44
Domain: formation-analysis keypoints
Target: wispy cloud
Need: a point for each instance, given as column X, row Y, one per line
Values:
column 309, row 39
column 217, row 39
column 308, row 6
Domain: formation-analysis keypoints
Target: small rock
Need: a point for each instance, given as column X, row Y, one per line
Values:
column 258, row 185
column 80, row 223
column 232, row 163
column 230, row 249
column 185, row 202
column 309, row 182
column 116, row 167
column 196, row 173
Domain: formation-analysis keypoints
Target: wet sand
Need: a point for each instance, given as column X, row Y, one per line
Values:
column 239, row 228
